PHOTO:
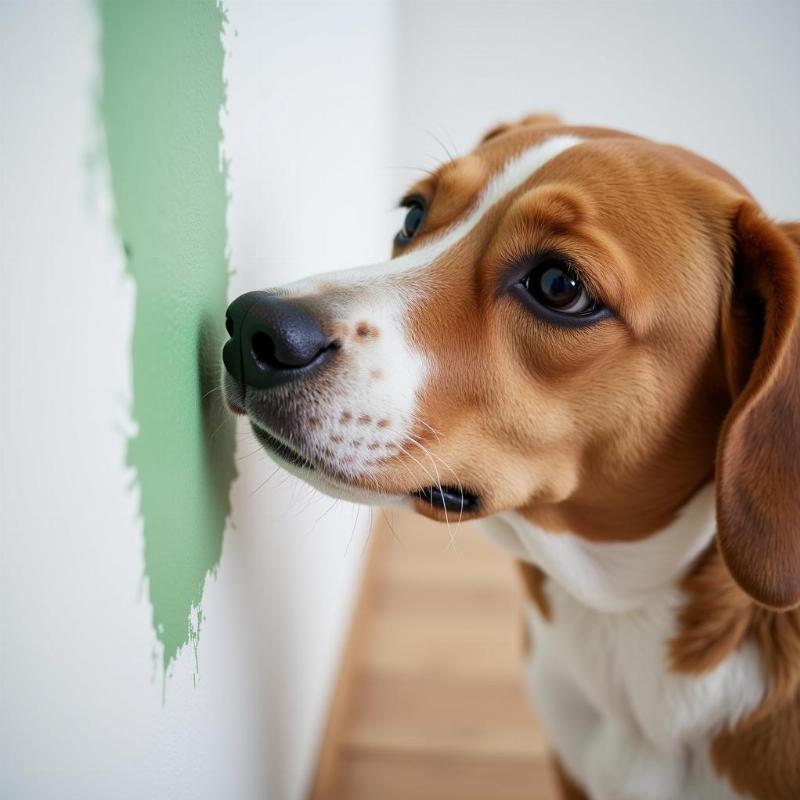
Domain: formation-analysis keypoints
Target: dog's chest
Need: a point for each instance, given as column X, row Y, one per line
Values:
column 624, row 724
column 619, row 717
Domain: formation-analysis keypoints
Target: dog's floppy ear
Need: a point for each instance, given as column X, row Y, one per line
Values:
column 758, row 459
column 531, row 119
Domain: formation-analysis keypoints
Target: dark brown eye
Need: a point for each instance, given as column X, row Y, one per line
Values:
column 412, row 222
column 555, row 285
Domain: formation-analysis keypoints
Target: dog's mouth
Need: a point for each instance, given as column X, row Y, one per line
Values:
column 449, row 499
column 281, row 449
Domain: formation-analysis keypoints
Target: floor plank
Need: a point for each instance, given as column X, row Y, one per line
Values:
column 437, row 706
column 426, row 777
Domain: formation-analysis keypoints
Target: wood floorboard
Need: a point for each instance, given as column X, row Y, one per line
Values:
column 436, row 705
column 428, row 777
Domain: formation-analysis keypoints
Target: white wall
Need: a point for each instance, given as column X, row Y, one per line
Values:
column 81, row 709
column 309, row 140
column 721, row 78
column 318, row 98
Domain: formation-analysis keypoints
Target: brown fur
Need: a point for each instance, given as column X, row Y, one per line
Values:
column 762, row 758
column 609, row 433
column 761, row 755
column 569, row 789
column 559, row 456
column 534, row 579
column 758, row 487
column 531, row 120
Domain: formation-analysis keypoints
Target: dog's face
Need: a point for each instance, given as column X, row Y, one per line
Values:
column 549, row 337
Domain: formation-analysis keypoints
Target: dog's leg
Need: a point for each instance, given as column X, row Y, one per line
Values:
column 565, row 715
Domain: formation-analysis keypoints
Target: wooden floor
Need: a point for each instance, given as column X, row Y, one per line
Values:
column 430, row 704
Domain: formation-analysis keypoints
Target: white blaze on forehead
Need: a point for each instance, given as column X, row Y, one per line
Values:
column 381, row 296
column 515, row 172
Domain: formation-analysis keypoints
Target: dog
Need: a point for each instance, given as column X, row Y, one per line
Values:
column 591, row 342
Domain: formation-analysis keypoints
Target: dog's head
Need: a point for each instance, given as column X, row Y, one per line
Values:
column 576, row 324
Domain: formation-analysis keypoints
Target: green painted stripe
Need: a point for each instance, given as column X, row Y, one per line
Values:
column 162, row 94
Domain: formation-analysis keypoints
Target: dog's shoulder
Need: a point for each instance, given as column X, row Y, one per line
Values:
column 693, row 666
column 760, row 754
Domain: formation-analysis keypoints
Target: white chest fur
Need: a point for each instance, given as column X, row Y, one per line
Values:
column 624, row 725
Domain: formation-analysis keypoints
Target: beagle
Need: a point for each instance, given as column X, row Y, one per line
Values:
column 591, row 342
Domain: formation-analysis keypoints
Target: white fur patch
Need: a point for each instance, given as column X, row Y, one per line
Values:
column 611, row 576
column 517, row 170
column 625, row 726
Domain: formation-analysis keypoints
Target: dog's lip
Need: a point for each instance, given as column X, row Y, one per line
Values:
column 269, row 441
column 454, row 499
column 235, row 408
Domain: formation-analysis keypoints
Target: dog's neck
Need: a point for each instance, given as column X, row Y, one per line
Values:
column 612, row 576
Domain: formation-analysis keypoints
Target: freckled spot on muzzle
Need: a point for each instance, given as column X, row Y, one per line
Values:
column 366, row 331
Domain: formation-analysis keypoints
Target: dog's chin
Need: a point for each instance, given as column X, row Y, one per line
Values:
column 282, row 452
column 297, row 464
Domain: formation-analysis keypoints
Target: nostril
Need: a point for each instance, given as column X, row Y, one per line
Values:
column 272, row 340
column 263, row 350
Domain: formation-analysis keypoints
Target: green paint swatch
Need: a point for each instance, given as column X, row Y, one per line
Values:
column 162, row 94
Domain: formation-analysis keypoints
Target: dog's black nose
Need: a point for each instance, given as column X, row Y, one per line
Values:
column 273, row 341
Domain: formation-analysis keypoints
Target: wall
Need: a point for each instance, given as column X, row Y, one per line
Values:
column 330, row 109
column 149, row 648
column 162, row 89
column 308, row 134
column 717, row 77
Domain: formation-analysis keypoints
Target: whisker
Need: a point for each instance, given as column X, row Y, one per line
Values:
column 418, row 463
column 211, row 391
column 353, row 532
column 391, row 528
column 368, row 538
column 219, row 428
column 265, row 481
column 285, row 478
column 460, row 487
column 436, row 482
column 446, row 132
column 428, row 172
column 441, row 489
column 314, row 524
column 417, row 418
column 438, row 161
column 411, row 475
column 447, row 466
column 251, row 453
column 433, row 136
column 310, row 496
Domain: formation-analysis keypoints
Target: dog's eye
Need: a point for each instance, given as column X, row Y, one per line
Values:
column 555, row 285
column 413, row 221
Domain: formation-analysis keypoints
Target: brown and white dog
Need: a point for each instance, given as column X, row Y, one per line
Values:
column 592, row 342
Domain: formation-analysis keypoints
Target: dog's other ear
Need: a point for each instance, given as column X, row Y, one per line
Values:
column 758, row 459
column 530, row 120
column 542, row 118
